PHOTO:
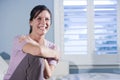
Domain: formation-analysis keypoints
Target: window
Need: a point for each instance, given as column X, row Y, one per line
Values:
column 91, row 34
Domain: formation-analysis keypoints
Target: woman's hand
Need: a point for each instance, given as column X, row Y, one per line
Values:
column 57, row 56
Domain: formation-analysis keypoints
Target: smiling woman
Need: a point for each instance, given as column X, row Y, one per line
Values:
column 34, row 57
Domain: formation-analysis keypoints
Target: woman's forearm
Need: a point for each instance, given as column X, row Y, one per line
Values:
column 40, row 51
column 47, row 52
column 48, row 69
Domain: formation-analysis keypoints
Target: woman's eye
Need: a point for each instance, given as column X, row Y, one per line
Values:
column 39, row 19
column 47, row 19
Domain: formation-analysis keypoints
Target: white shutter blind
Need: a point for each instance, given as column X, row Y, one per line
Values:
column 105, row 26
column 105, row 19
column 75, row 27
column 91, row 31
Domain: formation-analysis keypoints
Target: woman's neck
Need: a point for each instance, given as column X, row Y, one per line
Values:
column 37, row 38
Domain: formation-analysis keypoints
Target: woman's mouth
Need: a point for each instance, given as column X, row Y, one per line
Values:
column 42, row 27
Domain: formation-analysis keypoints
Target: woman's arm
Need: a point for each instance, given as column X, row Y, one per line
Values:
column 49, row 68
column 40, row 51
column 44, row 52
column 35, row 49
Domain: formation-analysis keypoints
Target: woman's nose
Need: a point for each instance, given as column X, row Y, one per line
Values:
column 43, row 21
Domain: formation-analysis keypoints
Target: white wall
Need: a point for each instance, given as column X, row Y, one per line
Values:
column 14, row 20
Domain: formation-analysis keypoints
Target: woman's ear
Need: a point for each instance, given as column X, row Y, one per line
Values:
column 30, row 22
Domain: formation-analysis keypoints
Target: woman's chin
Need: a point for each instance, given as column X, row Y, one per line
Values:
column 42, row 33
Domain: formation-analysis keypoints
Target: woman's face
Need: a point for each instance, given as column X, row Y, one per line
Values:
column 40, row 24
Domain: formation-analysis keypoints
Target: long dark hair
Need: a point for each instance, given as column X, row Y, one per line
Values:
column 36, row 11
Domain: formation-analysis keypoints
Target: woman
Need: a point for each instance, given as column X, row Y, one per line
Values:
column 33, row 57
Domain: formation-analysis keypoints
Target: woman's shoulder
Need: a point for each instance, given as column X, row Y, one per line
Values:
column 20, row 38
column 51, row 44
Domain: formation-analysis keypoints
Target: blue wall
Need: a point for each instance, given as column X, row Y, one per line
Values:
column 14, row 20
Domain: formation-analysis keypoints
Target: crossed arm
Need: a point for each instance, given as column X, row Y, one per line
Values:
column 45, row 52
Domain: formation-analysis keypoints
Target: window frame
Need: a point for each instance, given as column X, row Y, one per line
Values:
column 91, row 58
